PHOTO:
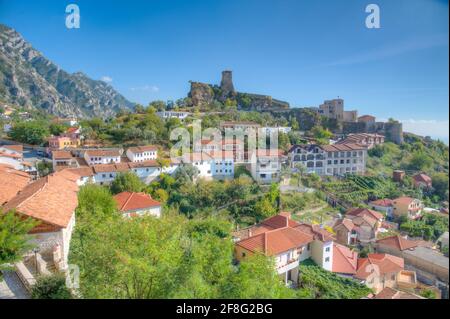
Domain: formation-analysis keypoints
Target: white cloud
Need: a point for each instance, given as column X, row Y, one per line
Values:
column 106, row 79
column 146, row 88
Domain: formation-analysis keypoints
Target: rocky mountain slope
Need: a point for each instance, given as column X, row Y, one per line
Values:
column 30, row 80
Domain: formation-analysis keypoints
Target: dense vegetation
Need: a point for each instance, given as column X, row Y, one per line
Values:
column 430, row 226
column 415, row 155
column 51, row 287
column 13, row 238
column 317, row 283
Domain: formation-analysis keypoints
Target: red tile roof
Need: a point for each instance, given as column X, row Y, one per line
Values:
column 404, row 200
column 380, row 263
column 398, row 242
column 11, row 181
column 15, row 148
column 61, row 155
column 364, row 212
column 51, row 199
column 422, row 178
column 316, row 231
column 347, row 223
column 141, row 149
column 345, row 261
column 343, row 147
column 129, row 201
column 386, row 202
column 276, row 241
column 389, row 293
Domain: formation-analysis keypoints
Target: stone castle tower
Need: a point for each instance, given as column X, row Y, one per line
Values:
column 226, row 85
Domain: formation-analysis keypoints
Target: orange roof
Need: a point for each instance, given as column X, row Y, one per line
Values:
column 15, row 148
column 61, row 155
column 345, row 261
column 424, row 178
column 404, row 200
column 279, row 221
column 398, row 242
column 342, row 147
column 274, row 242
column 81, row 171
column 364, row 212
column 316, row 231
column 11, row 181
column 51, row 199
column 128, row 201
column 4, row 154
column 71, row 130
column 382, row 202
column 380, row 263
column 389, row 293
column 141, row 149
column 347, row 223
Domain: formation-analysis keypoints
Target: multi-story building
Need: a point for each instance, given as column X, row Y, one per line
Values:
column 288, row 241
column 63, row 142
column 407, row 206
column 334, row 109
column 265, row 165
column 142, row 153
column 102, row 156
column 329, row 159
column 240, row 126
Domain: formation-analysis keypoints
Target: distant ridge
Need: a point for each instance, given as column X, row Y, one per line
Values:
column 30, row 80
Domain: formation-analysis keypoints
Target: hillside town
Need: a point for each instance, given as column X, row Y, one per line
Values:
column 322, row 200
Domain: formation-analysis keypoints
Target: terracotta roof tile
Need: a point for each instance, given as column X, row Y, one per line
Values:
column 51, row 199
column 382, row 263
column 386, row 202
column 128, row 201
column 276, row 241
column 345, row 261
column 141, row 149
column 11, row 182
column 398, row 242
column 364, row 212
column 104, row 153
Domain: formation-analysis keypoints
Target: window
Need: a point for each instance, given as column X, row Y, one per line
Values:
column 327, row 259
column 327, row 249
column 243, row 254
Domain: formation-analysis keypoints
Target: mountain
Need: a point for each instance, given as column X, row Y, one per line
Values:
column 30, row 80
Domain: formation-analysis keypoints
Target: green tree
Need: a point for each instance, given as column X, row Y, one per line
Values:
column 32, row 132
column 51, row 287
column 127, row 182
column 440, row 185
column 420, row 161
column 321, row 135
column 256, row 278
column 13, row 237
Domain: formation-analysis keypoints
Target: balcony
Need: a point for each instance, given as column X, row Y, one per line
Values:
column 290, row 264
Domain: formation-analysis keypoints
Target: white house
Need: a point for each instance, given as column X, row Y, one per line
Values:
column 132, row 204
column 385, row 205
column 95, row 157
column 173, row 114
column 142, row 153
column 279, row 129
column 51, row 201
column 336, row 159
column 265, row 165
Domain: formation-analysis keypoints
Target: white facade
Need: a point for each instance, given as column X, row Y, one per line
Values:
column 92, row 159
column 324, row 161
column 173, row 114
column 279, row 129
column 142, row 156
column 265, row 169
column 150, row 211
column 56, row 243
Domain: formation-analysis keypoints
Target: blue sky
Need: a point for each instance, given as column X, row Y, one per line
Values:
column 299, row 51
